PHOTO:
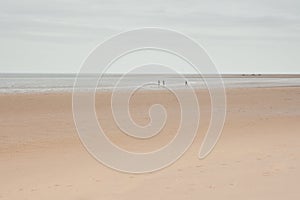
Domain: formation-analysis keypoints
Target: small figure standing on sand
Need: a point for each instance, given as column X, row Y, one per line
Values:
column 158, row 82
column 164, row 83
column 186, row 83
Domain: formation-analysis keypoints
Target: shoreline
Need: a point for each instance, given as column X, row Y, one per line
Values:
column 108, row 90
column 61, row 84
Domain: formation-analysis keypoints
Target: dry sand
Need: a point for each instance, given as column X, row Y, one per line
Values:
column 257, row 156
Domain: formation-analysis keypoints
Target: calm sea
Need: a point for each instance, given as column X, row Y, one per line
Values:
column 30, row 83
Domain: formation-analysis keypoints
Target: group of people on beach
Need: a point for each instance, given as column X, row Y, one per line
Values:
column 164, row 83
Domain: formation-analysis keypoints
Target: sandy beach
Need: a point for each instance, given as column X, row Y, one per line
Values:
column 257, row 156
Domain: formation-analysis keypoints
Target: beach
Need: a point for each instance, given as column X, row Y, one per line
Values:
column 256, row 157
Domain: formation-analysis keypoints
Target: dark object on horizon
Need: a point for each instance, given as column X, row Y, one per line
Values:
column 251, row 74
column 164, row 83
column 186, row 83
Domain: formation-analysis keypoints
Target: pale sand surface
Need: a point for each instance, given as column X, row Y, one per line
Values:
column 257, row 156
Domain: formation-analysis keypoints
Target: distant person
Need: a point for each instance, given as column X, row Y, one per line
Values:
column 158, row 82
column 164, row 83
column 186, row 83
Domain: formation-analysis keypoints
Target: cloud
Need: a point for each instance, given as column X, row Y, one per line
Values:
column 69, row 19
column 74, row 23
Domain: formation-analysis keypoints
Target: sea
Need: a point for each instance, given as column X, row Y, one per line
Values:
column 47, row 83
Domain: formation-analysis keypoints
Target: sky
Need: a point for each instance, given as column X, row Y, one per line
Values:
column 240, row 36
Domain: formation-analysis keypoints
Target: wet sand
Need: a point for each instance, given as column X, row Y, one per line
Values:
column 257, row 156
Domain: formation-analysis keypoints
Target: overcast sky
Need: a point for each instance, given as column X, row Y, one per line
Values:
column 241, row 36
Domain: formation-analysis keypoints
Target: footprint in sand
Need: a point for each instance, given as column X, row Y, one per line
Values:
column 259, row 158
column 231, row 184
column 212, row 187
column 291, row 167
column 266, row 173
